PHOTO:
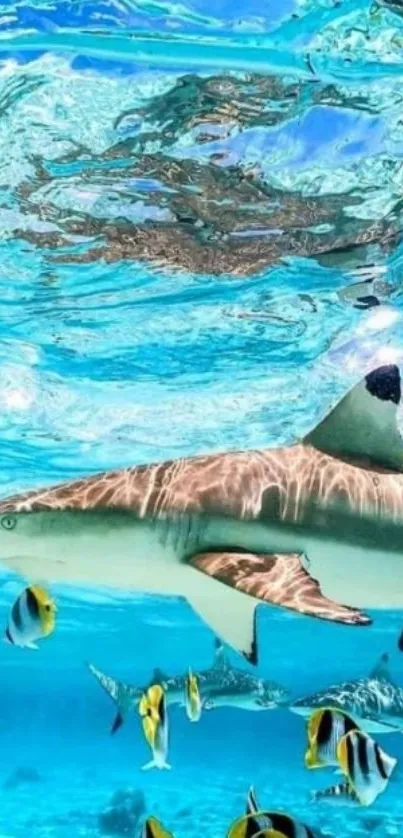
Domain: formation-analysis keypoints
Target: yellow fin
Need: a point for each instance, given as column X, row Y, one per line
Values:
column 143, row 705
column 342, row 756
column 313, row 724
column 154, row 829
column 150, row 729
column 241, row 827
column 311, row 758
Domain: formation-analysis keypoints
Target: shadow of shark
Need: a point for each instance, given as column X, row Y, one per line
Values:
column 222, row 685
column 375, row 702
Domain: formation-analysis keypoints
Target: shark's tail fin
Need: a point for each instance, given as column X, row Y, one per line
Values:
column 117, row 692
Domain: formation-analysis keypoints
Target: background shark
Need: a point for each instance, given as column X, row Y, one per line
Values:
column 306, row 527
column 375, row 702
column 223, row 685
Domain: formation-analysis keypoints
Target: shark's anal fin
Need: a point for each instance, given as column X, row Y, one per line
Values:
column 278, row 579
column 363, row 425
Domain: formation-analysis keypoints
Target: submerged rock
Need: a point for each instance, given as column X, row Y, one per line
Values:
column 20, row 776
column 122, row 815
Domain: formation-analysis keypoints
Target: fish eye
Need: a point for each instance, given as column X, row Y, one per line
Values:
column 47, row 607
column 8, row 522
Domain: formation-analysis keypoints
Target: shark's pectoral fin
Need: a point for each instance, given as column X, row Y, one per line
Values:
column 277, row 579
column 363, row 425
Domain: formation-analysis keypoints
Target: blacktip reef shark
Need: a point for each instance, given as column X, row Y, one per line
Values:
column 222, row 685
column 315, row 527
column 375, row 702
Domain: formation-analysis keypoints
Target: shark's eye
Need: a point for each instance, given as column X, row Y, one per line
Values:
column 8, row 522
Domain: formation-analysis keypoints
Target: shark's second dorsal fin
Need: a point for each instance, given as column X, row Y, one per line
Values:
column 220, row 659
column 363, row 425
column 381, row 669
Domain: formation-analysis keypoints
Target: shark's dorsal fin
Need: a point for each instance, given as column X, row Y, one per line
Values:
column 363, row 425
column 381, row 669
column 158, row 676
column 220, row 658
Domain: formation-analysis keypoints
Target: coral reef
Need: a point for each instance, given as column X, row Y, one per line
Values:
column 122, row 815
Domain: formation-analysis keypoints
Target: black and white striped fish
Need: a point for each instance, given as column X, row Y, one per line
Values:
column 255, row 820
column 341, row 794
column 367, row 767
column 32, row 617
column 325, row 729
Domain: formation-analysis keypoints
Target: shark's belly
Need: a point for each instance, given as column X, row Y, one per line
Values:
column 140, row 555
column 357, row 576
column 135, row 557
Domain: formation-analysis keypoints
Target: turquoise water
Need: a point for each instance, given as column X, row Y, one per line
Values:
column 200, row 250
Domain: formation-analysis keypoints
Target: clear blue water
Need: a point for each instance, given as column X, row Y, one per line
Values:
column 182, row 189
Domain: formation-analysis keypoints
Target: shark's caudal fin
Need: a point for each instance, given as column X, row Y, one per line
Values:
column 363, row 425
column 117, row 692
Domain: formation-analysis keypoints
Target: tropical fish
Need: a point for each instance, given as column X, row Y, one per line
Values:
column 339, row 794
column 31, row 618
column 222, row 685
column 192, row 698
column 367, row 767
column 375, row 702
column 256, row 819
column 270, row 824
column 152, row 709
column 325, row 729
column 153, row 829
column 300, row 520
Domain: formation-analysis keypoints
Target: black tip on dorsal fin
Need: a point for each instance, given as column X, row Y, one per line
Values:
column 384, row 383
column 381, row 669
column 158, row 676
column 363, row 425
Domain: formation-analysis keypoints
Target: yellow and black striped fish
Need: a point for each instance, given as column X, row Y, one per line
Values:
column 152, row 709
column 367, row 767
column 154, row 829
column 257, row 820
column 270, row 824
column 32, row 617
column 325, row 729
column 341, row 794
